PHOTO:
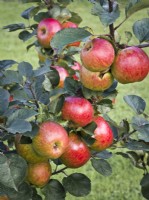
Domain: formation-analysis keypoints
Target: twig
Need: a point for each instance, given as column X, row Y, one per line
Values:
column 111, row 26
column 123, row 46
column 59, row 171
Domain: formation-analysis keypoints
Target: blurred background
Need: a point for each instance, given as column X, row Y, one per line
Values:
column 124, row 183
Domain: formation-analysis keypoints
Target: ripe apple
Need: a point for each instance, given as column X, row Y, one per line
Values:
column 97, row 55
column 103, row 135
column 69, row 24
column 130, row 65
column 46, row 30
column 77, row 152
column 39, row 174
column 96, row 81
column 77, row 110
column 63, row 73
column 51, row 140
column 4, row 197
column 27, row 151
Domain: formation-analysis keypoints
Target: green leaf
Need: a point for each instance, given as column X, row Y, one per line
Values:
column 35, row 195
column 14, row 27
column 103, row 154
column 105, row 16
column 137, row 145
column 25, row 69
column 4, row 100
column 5, row 64
column 41, row 71
column 56, row 105
column 29, row 1
column 102, row 166
column 30, row 12
column 13, row 170
column 136, row 103
column 19, row 126
column 77, row 184
column 141, row 30
column 142, row 126
column 20, row 95
column 75, row 18
column 54, row 190
column 90, row 128
column 26, row 35
column 67, row 36
column 104, row 106
column 40, row 16
column 24, row 192
column 145, row 186
column 134, row 6
column 9, row 77
column 128, row 35
column 71, row 86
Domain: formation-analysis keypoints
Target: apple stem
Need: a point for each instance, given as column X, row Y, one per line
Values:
column 59, row 171
column 111, row 26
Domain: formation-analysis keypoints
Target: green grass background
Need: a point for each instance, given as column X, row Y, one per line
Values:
column 123, row 184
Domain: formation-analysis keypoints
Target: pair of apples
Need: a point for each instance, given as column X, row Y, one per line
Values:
column 53, row 142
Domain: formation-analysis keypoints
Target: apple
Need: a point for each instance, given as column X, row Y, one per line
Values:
column 130, row 65
column 51, row 140
column 38, row 174
column 69, row 24
column 77, row 152
column 4, row 197
column 27, row 152
column 63, row 73
column 76, row 67
column 97, row 55
column 95, row 81
column 46, row 30
column 77, row 110
column 103, row 135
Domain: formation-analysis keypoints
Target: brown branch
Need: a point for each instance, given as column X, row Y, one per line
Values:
column 123, row 46
column 59, row 171
column 120, row 24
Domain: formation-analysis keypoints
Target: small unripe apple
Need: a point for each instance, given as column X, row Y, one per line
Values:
column 46, row 30
column 63, row 73
column 69, row 24
column 103, row 135
column 97, row 55
column 77, row 152
column 77, row 110
column 95, row 81
column 51, row 140
column 39, row 174
column 130, row 65
column 27, row 152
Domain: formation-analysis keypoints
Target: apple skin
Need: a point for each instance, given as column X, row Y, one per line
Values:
column 77, row 110
column 97, row 55
column 63, row 73
column 4, row 197
column 103, row 135
column 51, row 140
column 39, row 174
column 69, row 24
column 77, row 68
column 77, row 153
column 27, row 152
column 130, row 65
column 46, row 30
column 95, row 81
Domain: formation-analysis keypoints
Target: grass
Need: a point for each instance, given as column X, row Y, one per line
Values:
column 123, row 184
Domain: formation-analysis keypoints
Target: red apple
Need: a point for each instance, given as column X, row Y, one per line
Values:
column 63, row 73
column 46, row 30
column 51, row 140
column 96, row 81
column 77, row 110
column 39, row 174
column 27, row 151
column 77, row 153
column 103, row 135
column 69, row 24
column 97, row 55
column 130, row 65
column 76, row 67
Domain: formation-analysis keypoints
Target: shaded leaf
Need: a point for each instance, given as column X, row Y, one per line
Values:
column 102, row 166
column 134, row 6
column 13, row 170
column 128, row 35
column 5, row 64
column 136, row 103
column 56, row 105
column 104, row 154
column 4, row 100
column 75, row 18
column 19, row 126
column 71, row 86
column 54, row 190
column 10, row 76
column 40, row 16
column 30, row 12
column 145, row 186
column 141, row 30
column 25, row 69
column 137, row 145
column 26, row 35
column 77, row 184
column 14, row 27
column 90, row 128
column 67, row 36
column 105, row 16
column 41, row 71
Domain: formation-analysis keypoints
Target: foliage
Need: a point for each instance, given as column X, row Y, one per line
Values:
column 36, row 98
